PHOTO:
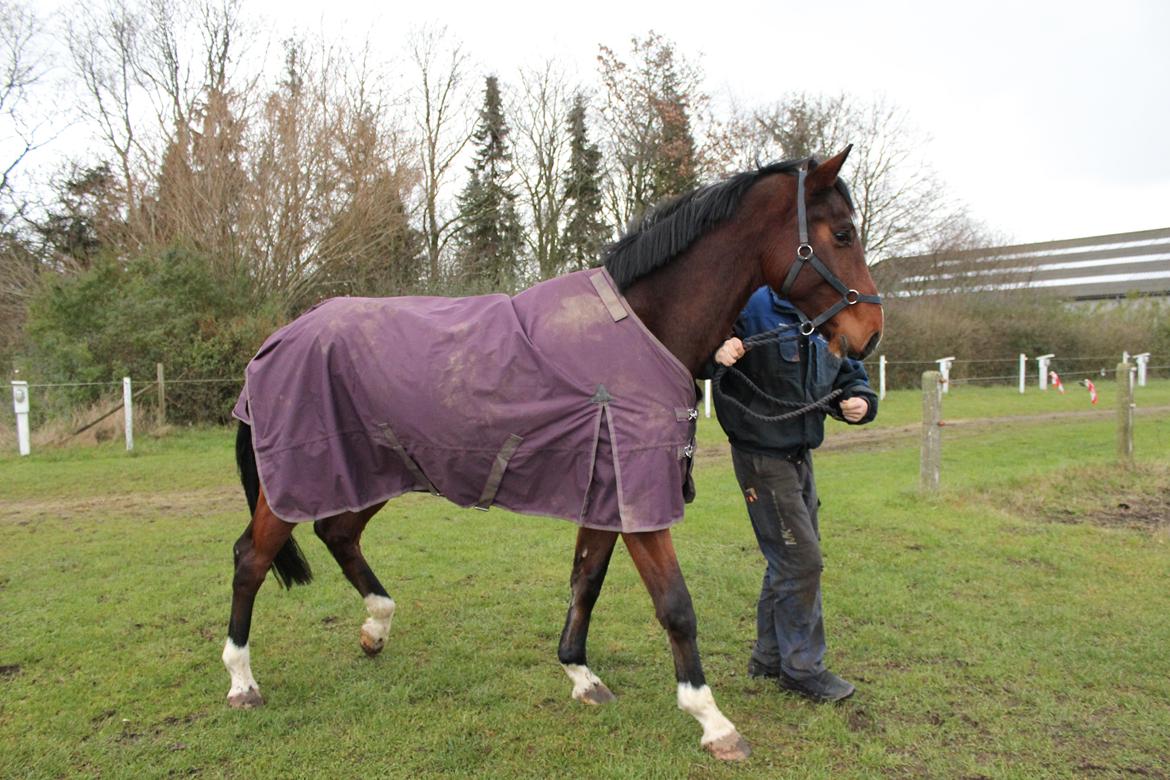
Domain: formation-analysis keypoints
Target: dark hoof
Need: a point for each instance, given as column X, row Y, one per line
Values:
column 370, row 645
column 597, row 694
column 732, row 747
column 248, row 700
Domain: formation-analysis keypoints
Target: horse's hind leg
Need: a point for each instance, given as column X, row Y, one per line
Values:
column 590, row 563
column 254, row 553
column 342, row 535
column 653, row 555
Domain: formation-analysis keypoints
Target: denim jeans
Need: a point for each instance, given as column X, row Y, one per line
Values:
column 781, row 498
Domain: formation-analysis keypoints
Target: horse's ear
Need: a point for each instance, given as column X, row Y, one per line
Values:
column 824, row 175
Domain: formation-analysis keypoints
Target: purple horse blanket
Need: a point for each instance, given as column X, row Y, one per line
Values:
column 557, row 401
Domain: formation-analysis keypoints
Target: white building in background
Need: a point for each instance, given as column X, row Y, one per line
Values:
column 1097, row 268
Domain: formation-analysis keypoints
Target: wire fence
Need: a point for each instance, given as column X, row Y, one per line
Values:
column 51, row 401
column 958, row 371
column 58, row 412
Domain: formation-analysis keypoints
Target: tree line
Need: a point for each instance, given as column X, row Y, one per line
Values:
column 217, row 195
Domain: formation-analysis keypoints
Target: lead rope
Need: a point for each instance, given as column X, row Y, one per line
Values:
column 767, row 337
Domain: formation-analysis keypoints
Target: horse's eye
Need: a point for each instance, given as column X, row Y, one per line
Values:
column 843, row 237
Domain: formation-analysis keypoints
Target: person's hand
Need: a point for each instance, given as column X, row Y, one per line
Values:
column 731, row 351
column 853, row 409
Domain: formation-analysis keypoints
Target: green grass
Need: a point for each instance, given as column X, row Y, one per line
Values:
column 986, row 640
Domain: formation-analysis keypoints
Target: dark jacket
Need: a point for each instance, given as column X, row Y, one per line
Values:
column 799, row 369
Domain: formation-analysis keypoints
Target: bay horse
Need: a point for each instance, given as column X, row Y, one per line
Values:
column 684, row 272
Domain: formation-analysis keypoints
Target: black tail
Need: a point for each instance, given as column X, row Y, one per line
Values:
column 246, row 463
column 290, row 565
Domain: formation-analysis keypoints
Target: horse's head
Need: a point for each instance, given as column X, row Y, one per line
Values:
column 819, row 263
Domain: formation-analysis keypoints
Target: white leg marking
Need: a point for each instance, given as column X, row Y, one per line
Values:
column 701, row 704
column 582, row 678
column 238, row 661
column 381, row 609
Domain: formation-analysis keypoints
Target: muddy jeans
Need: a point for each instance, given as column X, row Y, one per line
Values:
column 781, row 500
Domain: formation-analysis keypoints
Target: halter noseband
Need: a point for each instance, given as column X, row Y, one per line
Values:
column 805, row 254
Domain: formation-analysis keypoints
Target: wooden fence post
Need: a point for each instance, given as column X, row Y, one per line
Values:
column 160, row 412
column 1125, row 407
column 931, row 431
column 882, row 378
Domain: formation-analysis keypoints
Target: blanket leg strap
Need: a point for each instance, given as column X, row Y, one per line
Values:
column 497, row 473
column 411, row 466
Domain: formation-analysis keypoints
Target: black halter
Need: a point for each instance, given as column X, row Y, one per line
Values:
column 805, row 254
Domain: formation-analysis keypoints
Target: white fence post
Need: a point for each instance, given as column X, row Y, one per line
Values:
column 707, row 397
column 1042, row 363
column 944, row 370
column 128, row 408
column 882, row 377
column 1142, row 361
column 1023, row 371
column 20, row 405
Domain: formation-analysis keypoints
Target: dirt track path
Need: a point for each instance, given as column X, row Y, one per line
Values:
column 145, row 505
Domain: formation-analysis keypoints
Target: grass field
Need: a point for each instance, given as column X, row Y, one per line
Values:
column 1016, row 625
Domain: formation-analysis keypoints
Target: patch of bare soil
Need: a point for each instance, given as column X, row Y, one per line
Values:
column 144, row 505
column 1138, row 498
column 1135, row 510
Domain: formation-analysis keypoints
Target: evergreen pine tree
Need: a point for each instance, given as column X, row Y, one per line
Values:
column 490, row 239
column 585, row 232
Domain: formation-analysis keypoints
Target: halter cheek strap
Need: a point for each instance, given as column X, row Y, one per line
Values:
column 806, row 255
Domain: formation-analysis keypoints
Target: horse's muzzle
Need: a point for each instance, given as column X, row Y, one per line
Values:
column 870, row 346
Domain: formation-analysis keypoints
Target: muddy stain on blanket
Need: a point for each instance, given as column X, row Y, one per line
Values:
column 576, row 318
column 468, row 373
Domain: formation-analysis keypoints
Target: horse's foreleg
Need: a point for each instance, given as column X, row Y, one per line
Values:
column 653, row 555
column 590, row 563
column 342, row 535
column 254, row 552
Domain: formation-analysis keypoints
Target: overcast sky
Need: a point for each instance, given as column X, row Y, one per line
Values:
column 1048, row 119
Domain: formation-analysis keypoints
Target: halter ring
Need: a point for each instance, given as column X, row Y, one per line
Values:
column 804, row 251
column 852, row 296
column 807, row 328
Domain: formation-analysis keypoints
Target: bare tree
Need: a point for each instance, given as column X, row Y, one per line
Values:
column 104, row 42
column 188, row 51
column 647, row 110
column 541, row 158
column 444, row 127
column 21, row 68
column 325, row 184
column 369, row 246
column 902, row 204
column 199, row 181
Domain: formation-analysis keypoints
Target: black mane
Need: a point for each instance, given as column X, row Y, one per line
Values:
column 666, row 230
